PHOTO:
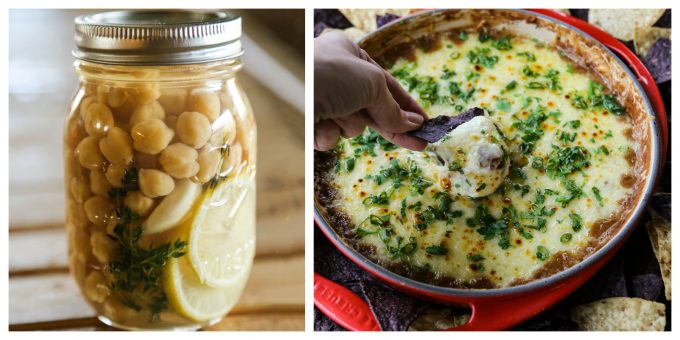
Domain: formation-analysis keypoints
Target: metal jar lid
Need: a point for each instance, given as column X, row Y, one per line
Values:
column 157, row 37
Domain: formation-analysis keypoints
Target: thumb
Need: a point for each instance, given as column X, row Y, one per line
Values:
column 387, row 114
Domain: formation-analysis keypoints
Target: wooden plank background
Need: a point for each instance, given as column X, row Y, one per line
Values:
column 41, row 83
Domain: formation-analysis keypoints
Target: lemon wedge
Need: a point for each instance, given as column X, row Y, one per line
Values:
column 221, row 239
column 207, row 282
column 194, row 300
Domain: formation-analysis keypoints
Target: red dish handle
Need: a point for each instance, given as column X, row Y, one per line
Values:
column 343, row 306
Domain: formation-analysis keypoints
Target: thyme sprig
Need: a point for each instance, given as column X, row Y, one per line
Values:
column 137, row 271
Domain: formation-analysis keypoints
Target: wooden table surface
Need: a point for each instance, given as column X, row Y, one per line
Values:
column 42, row 295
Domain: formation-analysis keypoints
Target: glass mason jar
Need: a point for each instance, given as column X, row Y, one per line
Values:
column 159, row 153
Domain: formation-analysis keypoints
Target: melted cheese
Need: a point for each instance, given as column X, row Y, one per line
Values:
column 475, row 157
column 601, row 133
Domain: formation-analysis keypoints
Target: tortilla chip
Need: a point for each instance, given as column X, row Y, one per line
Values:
column 331, row 18
column 659, row 231
column 437, row 318
column 352, row 33
column 621, row 23
column 661, row 203
column 562, row 10
column 434, row 129
column 365, row 19
column 647, row 286
column 658, row 60
column 645, row 37
column 382, row 20
column 620, row 314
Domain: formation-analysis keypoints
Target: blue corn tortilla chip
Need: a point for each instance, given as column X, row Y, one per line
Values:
column 658, row 60
column 581, row 13
column 318, row 28
column 331, row 264
column 332, row 18
column 610, row 281
column 661, row 203
column 394, row 311
column 434, row 129
column 385, row 19
column 322, row 323
column 665, row 20
column 647, row 286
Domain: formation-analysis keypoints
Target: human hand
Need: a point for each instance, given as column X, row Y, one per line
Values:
column 351, row 91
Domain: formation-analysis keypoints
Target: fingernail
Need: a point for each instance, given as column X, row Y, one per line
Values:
column 414, row 118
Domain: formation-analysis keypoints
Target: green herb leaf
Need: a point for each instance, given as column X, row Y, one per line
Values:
column 503, row 44
column 475, row 257
column 503, row 105
column 462, row 35
column 437, row 250
column 565, row 238
column 482, row 56
column 576, row 222
column 574, row 124
column 574, row 191
column 542, row 253
column 564, row 161
column 596, row 191
column 350, row 164
column 528, row 55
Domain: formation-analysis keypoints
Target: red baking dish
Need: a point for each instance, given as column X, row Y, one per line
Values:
column 499, row 309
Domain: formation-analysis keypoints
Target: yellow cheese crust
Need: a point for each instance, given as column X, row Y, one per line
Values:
column 569, row 142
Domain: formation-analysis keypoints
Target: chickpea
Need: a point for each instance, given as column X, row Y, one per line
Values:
column 208, row 160
column 114, row 174
column 146, row 111
column 99, row 185
column 98, row 120
column 70, row 163
column 78, row 264
column 103, row 248
column 179, row 160
column 245, row 135
column 146, row 161
column 117, row 146
column 103, row 94
column 174, row 101
column 91, row 89
column 88, row 154
column 75, row 131
column 139, row 203
column 147, row 93
column 95, row 287
column 85, row 104
column 224, row 130
column 99, row 210
column 117, row 97
column 171, row 121
column 155, row 183
column 80, row 189
column 205, row 102
column 115, row 310
column 193, row 129
column 151, row 136
column 111, row 225
column 75, row 214
column 232, row 162
column 79, row 241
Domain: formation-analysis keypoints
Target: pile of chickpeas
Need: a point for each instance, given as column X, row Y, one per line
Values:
column 167, row 134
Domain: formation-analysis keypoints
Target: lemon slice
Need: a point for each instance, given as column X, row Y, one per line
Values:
column 221, row 241
column 194, row 300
